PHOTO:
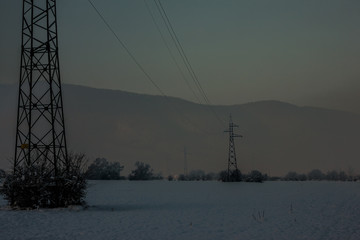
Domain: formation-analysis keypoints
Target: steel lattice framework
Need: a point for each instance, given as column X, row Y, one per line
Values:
column 233, row 173
column 40, row 119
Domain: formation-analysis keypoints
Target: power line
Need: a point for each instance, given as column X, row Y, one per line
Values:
column 142, row 68
column 184, row 57
column 127, row 50
column 180, row 48
column 177, row 44
column 170, row 52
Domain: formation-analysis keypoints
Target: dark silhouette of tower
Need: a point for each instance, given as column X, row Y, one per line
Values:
column 233, row 173
column 185, row 163
column 40, row 134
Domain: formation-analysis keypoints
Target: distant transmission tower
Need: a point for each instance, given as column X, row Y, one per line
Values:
column 185, row 163
column 233, row 173
column 40, row 133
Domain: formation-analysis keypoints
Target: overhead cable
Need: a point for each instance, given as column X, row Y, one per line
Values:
column 170, row 52
column 184, row 57
column 175, row 108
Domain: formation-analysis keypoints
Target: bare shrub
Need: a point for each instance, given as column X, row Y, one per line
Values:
column 37, row 185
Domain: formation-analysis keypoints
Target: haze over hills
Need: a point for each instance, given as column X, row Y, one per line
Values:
column 129, row 127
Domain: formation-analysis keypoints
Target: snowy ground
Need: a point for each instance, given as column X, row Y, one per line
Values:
column 197, row 210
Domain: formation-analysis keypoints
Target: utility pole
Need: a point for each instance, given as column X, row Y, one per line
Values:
column 40, row 132
column 233, row 173
column 185, row 163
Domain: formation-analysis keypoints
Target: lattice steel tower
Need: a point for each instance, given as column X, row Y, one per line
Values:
column 233, row 173
column 40, row 133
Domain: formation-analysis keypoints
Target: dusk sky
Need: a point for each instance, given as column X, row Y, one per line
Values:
column 302, row 52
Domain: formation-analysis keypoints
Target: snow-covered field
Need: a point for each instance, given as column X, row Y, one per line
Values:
column 197, row 210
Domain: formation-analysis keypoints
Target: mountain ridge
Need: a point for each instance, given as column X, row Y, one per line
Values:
column 129, row 127
column 116, row 91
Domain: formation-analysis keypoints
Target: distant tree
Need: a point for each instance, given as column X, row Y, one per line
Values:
column 274, row 178
column 291, row 176
column 332, row 176
column 356, row 178
column 343, row 176
column 255, row 176
column 142, row 172
column 265, row 177
column 2, row 174
column 235, row 176
column 350, row 174
column 157, row 176
column 316, row 174
column 294, row 176
column 196, row 175
column 302, row 177
column 222, row 176
column 211, row 176
column 182, row 177
column 101, row 169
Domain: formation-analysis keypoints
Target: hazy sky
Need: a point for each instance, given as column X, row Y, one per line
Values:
column 304, row 52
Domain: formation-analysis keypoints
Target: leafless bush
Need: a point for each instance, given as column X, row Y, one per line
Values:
column 37, row 185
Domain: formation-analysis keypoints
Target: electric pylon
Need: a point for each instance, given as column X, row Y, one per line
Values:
column 185, row 163
column 233, row 174
column 40, row 134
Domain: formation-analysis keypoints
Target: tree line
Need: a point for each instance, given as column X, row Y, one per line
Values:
column 102, row 169
column 318, row 175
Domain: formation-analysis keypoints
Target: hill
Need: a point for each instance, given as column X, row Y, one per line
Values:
column 129, row 127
